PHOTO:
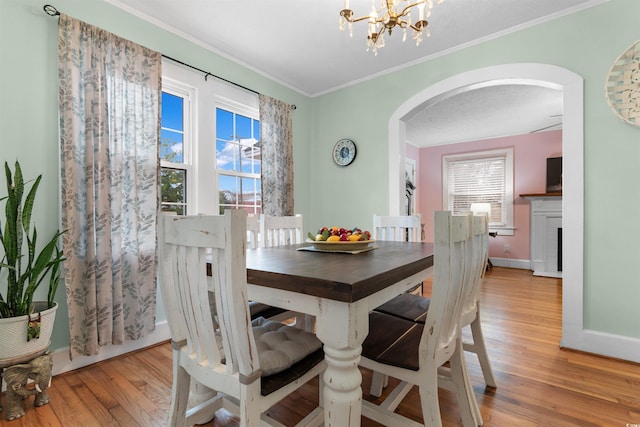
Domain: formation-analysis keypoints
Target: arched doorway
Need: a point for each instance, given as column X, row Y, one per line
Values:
column 552, row 76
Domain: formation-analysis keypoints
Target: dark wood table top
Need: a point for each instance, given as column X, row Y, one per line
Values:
column 337, row 276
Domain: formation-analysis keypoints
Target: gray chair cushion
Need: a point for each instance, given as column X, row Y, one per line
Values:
column 281, row 346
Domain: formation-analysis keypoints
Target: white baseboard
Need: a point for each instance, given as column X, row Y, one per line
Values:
column 523, row 264
column 605, row 344
column 63, row 363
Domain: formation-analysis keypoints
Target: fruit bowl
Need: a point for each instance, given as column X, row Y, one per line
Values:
column 341, row 245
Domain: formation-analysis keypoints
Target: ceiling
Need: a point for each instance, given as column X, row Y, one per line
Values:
column 298, row 44
column 495, row 111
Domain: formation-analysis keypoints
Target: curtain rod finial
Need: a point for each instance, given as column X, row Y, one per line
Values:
column 51, row 10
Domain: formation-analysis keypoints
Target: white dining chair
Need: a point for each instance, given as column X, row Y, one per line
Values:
column 253, row 231
column 285, row 230
column 401, row 228
column 415, row 308
column 258, row 309
column 414, row 352
column 280, row 230
column 249, row 365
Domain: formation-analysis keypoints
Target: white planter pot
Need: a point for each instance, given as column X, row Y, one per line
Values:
column 13, row 331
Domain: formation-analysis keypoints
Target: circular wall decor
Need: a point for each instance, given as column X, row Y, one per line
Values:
column 623, row 85
column 344, row 152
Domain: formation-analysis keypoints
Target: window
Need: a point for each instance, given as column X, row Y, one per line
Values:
column 482, row 177
column 238, row 161
column 210, row 145
column 174, row 143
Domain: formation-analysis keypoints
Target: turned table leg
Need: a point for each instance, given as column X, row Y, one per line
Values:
column 342, row 327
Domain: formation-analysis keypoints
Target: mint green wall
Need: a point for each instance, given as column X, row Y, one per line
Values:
column 28, row 101
column 586, row 43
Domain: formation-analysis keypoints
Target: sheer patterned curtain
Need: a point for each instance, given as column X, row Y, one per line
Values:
column 109, row 101
column 276, row 139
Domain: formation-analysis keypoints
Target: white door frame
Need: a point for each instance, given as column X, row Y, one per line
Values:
column 573, row 334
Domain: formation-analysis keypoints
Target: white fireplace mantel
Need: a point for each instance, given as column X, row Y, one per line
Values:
column 546, row 229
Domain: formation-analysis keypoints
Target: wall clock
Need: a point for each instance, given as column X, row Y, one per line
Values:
column 344, row 152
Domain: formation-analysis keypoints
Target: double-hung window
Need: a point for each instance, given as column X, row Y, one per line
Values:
column 238, row 159
column 175, row 146
column 482, row 177
column 210, row 145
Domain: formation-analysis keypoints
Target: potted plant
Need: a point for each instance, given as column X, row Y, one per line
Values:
column 23, row 269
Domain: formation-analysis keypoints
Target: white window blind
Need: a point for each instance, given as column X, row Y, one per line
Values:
column 483, row 177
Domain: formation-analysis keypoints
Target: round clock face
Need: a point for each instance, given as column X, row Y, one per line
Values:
column 344, row 152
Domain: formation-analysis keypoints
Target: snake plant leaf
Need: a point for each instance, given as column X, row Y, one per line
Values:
column 28, row 205
column 25, row 270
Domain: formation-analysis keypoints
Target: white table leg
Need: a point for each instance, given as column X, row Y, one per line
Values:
column 342, row 391
column 342, row 328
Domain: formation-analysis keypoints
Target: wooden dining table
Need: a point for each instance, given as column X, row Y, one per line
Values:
column 339, row 289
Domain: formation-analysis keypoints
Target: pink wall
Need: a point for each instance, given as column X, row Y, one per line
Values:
column 530, row 164
column 412, row 152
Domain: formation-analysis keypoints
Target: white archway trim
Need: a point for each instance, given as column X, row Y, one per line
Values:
column 573, row 333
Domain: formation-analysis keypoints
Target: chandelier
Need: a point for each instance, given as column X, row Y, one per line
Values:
column 387, row 17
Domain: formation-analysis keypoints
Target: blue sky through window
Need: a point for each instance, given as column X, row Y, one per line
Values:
column 172, row 129
column 236, row 139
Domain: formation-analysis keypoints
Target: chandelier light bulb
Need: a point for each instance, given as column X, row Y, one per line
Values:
column 373, row 15
column 421, row 10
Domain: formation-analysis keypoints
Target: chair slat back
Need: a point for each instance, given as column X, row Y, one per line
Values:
column 480, row 237
column 220, row 337
column 280, row 230
column 253, row 231
column 406, row 228
column 451, row 280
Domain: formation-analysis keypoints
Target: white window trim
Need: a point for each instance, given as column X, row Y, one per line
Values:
column 508, row 229
column 237, row 107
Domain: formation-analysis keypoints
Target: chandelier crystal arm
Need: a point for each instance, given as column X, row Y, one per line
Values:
column 348, row 13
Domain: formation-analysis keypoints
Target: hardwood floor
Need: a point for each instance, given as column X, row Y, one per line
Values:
column 539, row 384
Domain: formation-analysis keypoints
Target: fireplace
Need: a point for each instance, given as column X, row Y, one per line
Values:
column 546, row 234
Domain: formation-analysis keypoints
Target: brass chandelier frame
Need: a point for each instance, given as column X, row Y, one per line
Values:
column 389, row 20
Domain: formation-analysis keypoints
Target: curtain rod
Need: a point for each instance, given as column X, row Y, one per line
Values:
column 52, row 11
